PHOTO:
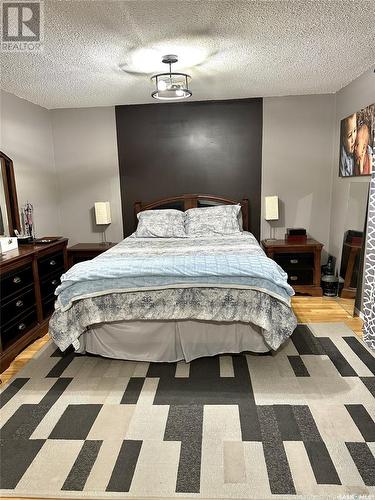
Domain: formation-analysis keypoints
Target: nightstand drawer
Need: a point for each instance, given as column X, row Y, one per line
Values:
column 50, row 264
column 294, row 260
column 301, row 276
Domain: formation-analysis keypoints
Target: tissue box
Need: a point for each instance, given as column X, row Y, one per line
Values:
column 7, row 244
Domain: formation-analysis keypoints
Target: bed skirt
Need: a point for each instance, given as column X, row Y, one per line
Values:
column 170, row 341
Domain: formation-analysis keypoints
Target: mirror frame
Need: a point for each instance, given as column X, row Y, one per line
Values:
column 10, row 191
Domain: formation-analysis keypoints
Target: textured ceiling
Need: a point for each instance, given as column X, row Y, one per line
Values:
column 232, row 49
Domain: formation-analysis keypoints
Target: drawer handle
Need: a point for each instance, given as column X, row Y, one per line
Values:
column 17, row 279
column 54, row 282
column 294, row 261
column 21, row 327
column 52, row 262
column 19, row 303
column 293, row 278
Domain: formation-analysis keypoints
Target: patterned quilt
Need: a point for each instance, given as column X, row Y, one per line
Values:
column 227, row 278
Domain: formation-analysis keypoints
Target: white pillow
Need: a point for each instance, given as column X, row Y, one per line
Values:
column 164, row 223
column 220, row 220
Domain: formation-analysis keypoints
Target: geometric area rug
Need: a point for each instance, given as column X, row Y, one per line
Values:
column 297, row 423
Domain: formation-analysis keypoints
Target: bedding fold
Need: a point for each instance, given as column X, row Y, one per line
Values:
column 205, row 304
column 191, row 265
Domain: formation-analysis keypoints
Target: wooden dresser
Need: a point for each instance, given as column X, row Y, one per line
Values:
column 28, row 276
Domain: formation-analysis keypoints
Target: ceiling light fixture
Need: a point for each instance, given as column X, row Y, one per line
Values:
column 171, row 86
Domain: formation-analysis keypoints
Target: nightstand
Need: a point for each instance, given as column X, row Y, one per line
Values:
column 301, row 261
column 86, row 251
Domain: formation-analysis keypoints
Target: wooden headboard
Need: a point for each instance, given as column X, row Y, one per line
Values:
column 185, row 201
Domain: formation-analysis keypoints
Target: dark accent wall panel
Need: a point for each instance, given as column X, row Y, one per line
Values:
column 210, row 147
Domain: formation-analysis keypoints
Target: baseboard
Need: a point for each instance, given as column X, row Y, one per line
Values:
column 359, row 313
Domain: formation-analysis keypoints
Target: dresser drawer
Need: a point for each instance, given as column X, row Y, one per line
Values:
column 15, row 282
column 48, row 306
column 301, row 276
column 17, row 329
column 294, row 260
column 48, row 286
column 50, row 264
column 17, row 306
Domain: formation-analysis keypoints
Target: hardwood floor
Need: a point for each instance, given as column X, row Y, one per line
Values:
column 20, row 361
column 327, row 310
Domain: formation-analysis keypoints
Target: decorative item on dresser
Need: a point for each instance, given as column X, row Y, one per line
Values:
column 28, row 278
column 301, row 261
column 86, row 251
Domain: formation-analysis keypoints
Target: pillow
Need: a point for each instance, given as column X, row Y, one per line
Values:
column 220, row 220
column 240, row 220
column 164, row 223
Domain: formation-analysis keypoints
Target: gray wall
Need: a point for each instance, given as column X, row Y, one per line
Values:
column 26, row 137
column 355, row 96
column 356, row 206
column 87, row 168
column 297, row 159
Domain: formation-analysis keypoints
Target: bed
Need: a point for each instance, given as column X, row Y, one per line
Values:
column 186, row 284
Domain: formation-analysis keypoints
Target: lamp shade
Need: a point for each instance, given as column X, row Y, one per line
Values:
column 271, row 208
column 102, row 212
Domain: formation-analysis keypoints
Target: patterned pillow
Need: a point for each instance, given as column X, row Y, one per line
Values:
column 210, row 221
column 166, row 223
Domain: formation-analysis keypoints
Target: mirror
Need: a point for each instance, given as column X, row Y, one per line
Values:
column 353, row 240
column 9, row 215
column 4, row 226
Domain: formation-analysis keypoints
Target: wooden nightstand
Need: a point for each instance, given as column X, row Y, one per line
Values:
column 86, row 251
column 301, row 261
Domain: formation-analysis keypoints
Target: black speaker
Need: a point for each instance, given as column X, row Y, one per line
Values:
column 295, row 231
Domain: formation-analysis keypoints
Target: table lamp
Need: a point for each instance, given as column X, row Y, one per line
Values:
column 103, row 217
column 271, row 211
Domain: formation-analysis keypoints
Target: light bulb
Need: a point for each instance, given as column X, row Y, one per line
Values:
column 180, row 93
column 162, row 85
